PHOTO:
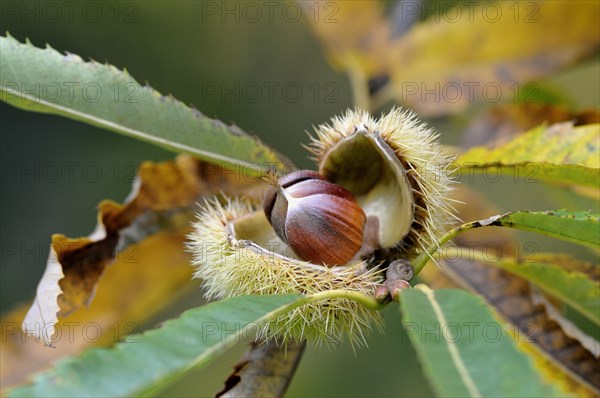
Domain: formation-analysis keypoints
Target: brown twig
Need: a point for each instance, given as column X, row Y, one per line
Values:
column 265, row 371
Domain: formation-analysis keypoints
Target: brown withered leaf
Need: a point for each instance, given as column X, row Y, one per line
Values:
column 500, row 124
column 567, row 326
column 145, row 277
column 446, row 63
column 162, row 197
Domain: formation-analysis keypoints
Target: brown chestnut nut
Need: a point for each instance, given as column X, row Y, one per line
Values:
column 320, row 221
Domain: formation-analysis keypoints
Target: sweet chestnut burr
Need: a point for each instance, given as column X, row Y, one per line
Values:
column 320, row 221
column 381, row 193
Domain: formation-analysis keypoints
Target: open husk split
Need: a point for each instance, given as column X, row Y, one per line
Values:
column 399, row 175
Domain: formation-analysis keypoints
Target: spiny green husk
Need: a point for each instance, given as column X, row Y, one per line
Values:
column 231, row 267
column 236, row 251
column 426, row 162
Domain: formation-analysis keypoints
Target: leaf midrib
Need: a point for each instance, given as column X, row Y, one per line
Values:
column 468, row 381
column 126, row 130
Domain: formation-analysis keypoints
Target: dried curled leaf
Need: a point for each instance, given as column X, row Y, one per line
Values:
column 145, row 277
column 162, row 197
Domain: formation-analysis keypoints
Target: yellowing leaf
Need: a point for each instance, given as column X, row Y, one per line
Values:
column 467, row 54
column 163, row 198
column 550, row 370
column 500, row 124
column 145, row 277
column 559, row 152
column 488, row 50
column 571, row 264
column 572, row 287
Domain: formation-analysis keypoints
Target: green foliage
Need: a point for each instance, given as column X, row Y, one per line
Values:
column 149, row 362
column 579, row 227
column 559, row 153
column 458, row 360
column 465, row 350
column 572, row 287
column 113, row 100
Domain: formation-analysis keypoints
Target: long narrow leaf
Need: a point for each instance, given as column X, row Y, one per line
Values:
column 465, row 350
column 579, row 227
column 160, row 356
column 571, row 287
column 151, row 361
column 43, row 80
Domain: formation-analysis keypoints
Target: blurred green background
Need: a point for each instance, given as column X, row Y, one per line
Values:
column 55, row 171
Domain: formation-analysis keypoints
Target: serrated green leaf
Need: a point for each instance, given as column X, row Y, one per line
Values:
column 574, row 288
column 581, row 227
column 559, row 153
column 553, row 275
column 465, row 350
column 148, row 362
column 43, row 80
column 563, row 354
column 152, row 360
